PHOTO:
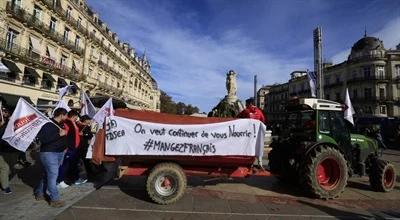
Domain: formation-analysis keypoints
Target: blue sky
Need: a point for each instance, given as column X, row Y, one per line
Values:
column 192, row 44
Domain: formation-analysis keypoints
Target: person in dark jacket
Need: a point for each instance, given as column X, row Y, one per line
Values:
column 53, row 143
column 69, row 169
column 4, row 147
column 86, row 135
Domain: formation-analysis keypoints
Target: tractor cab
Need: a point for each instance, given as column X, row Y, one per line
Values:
column 317, row 120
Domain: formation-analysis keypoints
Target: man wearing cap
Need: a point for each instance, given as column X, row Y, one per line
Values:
column 251, row 111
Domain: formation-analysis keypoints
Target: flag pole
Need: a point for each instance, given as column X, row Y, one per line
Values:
column 1, row 112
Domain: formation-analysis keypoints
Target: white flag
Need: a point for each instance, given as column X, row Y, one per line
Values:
column 64, row 90
column 312, row 80
column 87, row 107
column 349, row 111
column 106, row 110
column 23, row 126
column 61, row 104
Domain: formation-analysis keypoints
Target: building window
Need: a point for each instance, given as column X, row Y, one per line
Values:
column 367, row 93
column 327, row 96
column 354, row 74
column 77, row 42
column 37, row 12
column 355, row 94
column 367, row 72
column 63, row 60
column 16, row 3
column 53, row 22
column 79, row 22
column 380, row 71
column 397, row 71
column 382, row 94
column 382, row 109
column 11, row 38
column 66, row 33
column 69, row 12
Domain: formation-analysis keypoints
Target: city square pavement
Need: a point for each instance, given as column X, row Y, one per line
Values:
column 249, row 198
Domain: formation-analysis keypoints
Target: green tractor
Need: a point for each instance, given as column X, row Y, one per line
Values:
column 318, row 151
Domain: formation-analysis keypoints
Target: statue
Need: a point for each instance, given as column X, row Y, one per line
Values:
column 231, row 83
column 230, row 105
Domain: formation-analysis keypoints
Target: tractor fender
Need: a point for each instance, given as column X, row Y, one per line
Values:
column 311, row 147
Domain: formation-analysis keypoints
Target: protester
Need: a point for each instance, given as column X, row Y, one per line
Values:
column 86, row 135
column 4, row 147
column 251, row 111
column 69, row 168
column 53, row 143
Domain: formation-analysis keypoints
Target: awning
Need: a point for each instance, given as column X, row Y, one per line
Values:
column 48, row 77
column 12, row 66
column 10, row 101
column 35, row 44
column 31, row 72
column 52, row 52
column 3, row 68
column 61, row 82
column 74, row 85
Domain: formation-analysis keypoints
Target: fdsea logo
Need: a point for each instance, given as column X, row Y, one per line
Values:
column 20, row 122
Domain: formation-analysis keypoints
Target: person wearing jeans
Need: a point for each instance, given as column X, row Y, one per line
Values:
column 53, row 140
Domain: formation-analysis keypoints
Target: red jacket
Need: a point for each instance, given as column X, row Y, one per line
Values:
column 73, row 138
column 252, row 112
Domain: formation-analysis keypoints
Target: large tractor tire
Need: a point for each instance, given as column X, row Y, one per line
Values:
column 382, row 176
column 325, row 173
column 166, row 183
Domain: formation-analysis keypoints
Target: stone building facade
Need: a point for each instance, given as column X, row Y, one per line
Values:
column 47, row 44
column 371, row 73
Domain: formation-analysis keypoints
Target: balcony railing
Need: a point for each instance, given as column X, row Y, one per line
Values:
column 332, row 85
column 32, row 58
column 107, row 50
column 30, row 20
column 110, row 89
column 373, row 99
column 63, row 13
column 109, row 69
column 369, row 78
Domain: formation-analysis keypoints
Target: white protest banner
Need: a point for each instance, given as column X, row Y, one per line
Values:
column 244, row 137
column 23, row 126
column 87, row 107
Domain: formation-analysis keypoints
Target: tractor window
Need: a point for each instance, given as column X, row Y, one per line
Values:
column 323, row 122
column 338, row 125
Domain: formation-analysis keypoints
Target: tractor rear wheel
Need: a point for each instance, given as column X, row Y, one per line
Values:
column 166, row 183
column 325, row 172
column 382, row 176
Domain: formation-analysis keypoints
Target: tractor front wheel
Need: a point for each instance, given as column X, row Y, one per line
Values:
column 325, row 173
column 166, row 183
column 382, row 176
